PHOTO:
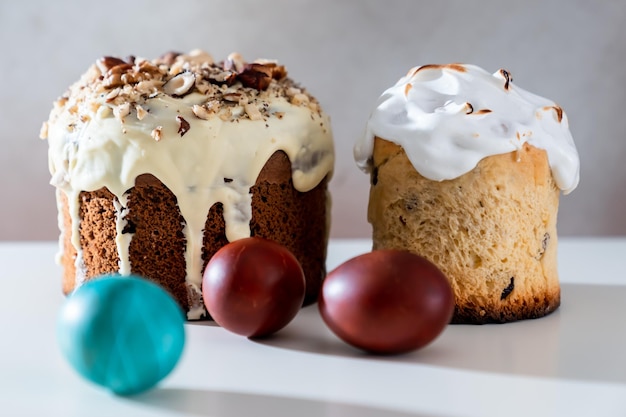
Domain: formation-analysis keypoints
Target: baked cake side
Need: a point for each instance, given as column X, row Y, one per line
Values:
column 466, row 170
column 492, row 231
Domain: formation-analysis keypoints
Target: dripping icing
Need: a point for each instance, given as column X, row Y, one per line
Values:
column 98, row 140
column 455, row 115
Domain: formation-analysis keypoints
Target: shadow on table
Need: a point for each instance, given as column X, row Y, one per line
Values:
column 585, row 339
column 234, row 404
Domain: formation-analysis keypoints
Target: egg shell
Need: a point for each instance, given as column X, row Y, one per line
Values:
column 253, row 287
column 387, row 301
column 123, row 333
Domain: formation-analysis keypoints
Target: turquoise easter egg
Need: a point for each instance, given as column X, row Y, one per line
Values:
column 123, row 333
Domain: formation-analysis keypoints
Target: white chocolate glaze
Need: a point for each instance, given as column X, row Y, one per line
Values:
column 207, row 146
column 449, row 117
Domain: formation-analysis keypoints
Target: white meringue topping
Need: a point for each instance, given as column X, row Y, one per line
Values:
column 449, row 117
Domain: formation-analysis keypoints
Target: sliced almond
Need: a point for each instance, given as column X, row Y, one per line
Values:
column 253, row 111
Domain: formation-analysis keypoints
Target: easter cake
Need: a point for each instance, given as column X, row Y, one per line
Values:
column 160, row 163
column 466, row 170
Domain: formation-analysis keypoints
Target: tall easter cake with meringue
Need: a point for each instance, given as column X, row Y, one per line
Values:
column 159, row 163
column 466, row 170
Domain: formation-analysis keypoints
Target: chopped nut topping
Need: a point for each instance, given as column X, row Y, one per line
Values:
column 128, row 78
column 183, row 126
column 148, row 87
column 279, row 72
column 113, row 80
column 199, row 57
column 120, row 68
column 204, row 87
column 220, row 77
column 234, row 62
column 156, row 133
column 141, row 112
column 104, row 112
column 168, row 58
column 292, row 91
column 256, row 76
column 454, row 67
column 108, row 62
column 43, row 132
column 112, row 94
column 243, row 100
column 231, row 90
column 253, row 112
column 508, row 78
column 121, row 111
column 180, row 85
column 213, row 106
column 232, row 97
column 559, row 113
column 408, row 88
column 61, row 102
column 299, row 99
column 225, row 114
column 201, row 112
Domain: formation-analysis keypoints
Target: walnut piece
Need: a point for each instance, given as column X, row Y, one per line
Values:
column 257, row 76
column 168, row 58
column 107, row 62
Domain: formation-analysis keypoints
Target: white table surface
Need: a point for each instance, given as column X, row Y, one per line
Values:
column 571, row 363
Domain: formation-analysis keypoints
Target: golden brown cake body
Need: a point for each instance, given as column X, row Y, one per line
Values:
column 466, row 170
column 492, row 231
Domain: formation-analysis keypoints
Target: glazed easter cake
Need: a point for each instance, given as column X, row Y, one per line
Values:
column 159, row 163
column 466, row 170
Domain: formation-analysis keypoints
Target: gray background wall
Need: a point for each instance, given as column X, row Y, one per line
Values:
column 346, row 53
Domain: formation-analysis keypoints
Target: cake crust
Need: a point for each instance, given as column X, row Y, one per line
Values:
column 492, row 231
column 279, row 212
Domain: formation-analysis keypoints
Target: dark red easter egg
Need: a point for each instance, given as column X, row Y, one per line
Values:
column 387, row 301
column 253, row 287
